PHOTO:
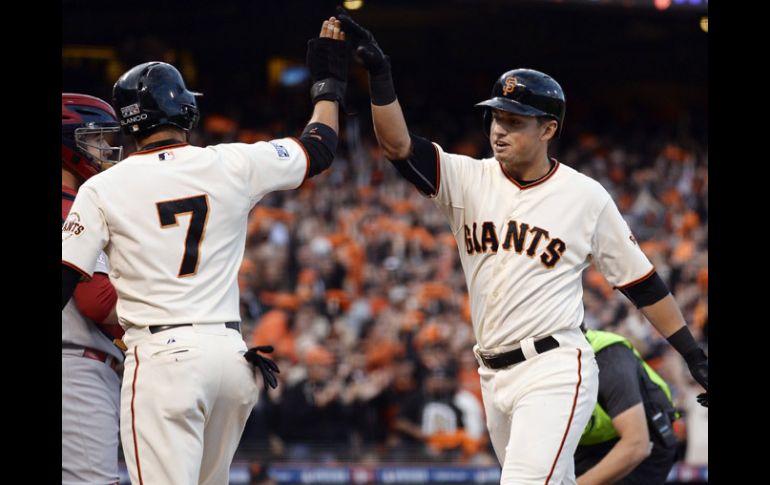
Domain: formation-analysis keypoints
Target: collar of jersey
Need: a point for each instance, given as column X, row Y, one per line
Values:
column 535, row 182
column 161, row 148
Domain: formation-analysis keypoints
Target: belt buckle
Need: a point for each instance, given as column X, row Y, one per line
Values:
column 485, row 358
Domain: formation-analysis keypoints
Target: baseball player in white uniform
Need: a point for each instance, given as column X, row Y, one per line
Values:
column 90, row 361
column 526, row 227
column 172, row 219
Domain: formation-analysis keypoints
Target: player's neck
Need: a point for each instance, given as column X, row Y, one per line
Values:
column 529, row 172
column 168, row 136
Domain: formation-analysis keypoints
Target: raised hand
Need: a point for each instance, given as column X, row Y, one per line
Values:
column 327, row 60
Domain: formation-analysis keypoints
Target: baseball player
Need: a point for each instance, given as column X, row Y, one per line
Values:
column 172, row 219
column 526, row 227
column 629, row 438
column 90, row 384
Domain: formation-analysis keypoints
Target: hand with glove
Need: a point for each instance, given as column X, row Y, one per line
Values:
column 327, row 60
column 698, row 364
column 684, row 343
column 369, row 54
column 266, row 366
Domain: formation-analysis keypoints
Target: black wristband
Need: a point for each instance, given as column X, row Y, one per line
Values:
column 381, row 88
column 329, row 89
column 684, row 343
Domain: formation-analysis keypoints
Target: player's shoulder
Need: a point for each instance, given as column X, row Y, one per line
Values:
column 282, row 148
column 112, row 174
column 581, row 181
column 478, row 163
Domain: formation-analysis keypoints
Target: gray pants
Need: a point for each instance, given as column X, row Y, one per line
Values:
column 90, row 409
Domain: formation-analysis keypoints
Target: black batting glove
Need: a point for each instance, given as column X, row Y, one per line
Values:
column 698, row 364
column 266, row 366
column 368, row 53
column 367, row 50
column 327, row 60
column 684, row 343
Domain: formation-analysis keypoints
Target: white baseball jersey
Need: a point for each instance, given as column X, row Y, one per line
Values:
column 173, row 224
column 523, row 249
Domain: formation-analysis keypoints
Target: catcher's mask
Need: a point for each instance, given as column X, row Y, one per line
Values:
column 89, row 132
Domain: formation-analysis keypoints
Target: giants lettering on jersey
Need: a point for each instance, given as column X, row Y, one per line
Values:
column 72, row 226
column 519, row 237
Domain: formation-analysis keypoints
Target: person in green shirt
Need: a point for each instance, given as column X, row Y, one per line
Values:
column 629, row 438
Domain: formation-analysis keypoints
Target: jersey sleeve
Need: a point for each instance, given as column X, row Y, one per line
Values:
column 615, row 251
column 84, row 232
column 454, row 173
column 279, row 164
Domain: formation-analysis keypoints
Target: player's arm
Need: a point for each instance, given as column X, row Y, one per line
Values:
column 631, row 449
column 618, row 257
column 653, row 298
column 414, row 157
column 328, row 65
column 84, row 236
column 96, row 299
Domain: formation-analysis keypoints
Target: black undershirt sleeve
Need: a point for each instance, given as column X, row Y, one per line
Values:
column 320, row 142
column 646, row 292
column 421, row 168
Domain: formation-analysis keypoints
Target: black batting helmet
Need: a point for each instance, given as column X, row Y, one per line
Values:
column 526, row 92
column 154, row 94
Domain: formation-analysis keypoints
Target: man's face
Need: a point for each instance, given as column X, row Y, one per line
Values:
column 517, row 138
column 102, row 143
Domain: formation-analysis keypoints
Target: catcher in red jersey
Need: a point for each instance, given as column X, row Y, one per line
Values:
column 90, row 384
column 172, row 218
column 526, row 227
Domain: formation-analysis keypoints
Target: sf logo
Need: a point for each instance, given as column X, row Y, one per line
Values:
column 510, row 85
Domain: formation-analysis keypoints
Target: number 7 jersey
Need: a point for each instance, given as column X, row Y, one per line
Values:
column 173, row 223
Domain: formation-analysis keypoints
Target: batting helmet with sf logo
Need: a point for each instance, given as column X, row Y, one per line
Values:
column 526, row 92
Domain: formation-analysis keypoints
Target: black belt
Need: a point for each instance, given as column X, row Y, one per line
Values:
column 507, row 359
column 159, row 328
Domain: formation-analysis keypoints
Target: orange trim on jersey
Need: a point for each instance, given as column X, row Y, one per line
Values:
column 85, row 275
column 534, row 184
column 133, row 416
column 636, row 281
column 307, row 157
column 160, row 149
column 571, row 415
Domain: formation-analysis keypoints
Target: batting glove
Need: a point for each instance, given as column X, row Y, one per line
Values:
column 266, row 366
column 368, row 52
column 327, row 60
column 698, row 364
